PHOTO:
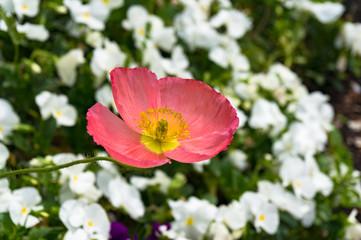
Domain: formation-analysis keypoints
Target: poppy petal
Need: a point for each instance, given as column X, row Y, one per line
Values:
column 120, row 141
column 134, row 90
column 204, row 109
column 201, row 148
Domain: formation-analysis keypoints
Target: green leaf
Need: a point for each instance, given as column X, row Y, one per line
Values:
column 15, row 36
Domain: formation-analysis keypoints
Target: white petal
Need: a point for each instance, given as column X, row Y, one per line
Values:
column 4, row 155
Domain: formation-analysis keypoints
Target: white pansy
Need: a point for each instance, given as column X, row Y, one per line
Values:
column 7, row 5
column 246, row 91
column 120, row 193
column 326, row 12
column 268, row 81
column 55, row 105
column 218, row 231
column 23, row 201
column 199, row 166
column 178, row 63
column 137, row 19
column 8, row 118
column 288, row 78
column 321, row 181
column 238, row 158
column 153, row 58
column 294, row 171
column 34, row 31
column 5, row 195
column 314, row 107
column 192, row 216
column 264, row 214
column 94, row 39
column 104, row 96
column 229, row 54
column 266, row 115
column 310, row 216
column 4, row 155
column 284, row 199
column 67, row 64
column 350, row 37
column 233, row 215
column 353, row 231
column 163, row 37
column 93, row 14
column 106, row 59
column 84, row 221
column 111, row 4
column 236, row 22
column 26, row 8
column 160, row 178
column 300, row 139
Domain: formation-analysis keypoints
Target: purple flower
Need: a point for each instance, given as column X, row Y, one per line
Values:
column 155, row 230
column 118, row 231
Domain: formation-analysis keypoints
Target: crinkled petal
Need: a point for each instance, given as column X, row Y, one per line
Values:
column 134, row 90
column 119, row 140
column 203, row 147
column 204, row 109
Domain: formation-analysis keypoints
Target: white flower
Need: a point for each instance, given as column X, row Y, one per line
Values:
column 160, row 178
column 178, row 63
column 163, row 37
column 34, row 31
column 120, row 193
column 105, row 59
column 300, row 139
column 94, row 39
column 67, row 64
column 294, row 171
column 218, row 231
column 314, row 108
column 153, row 58
column 326, row 12
column 353, row 231
column 238, row 158
column 111, row 4
column 198, row 166
column 236, row 22
column 5, row 195
column 26, row 8
column 7, row 5
column 8, row 118
column 4, row 155
column 137, row 19
column 93, row 14
column 23, row 201
column 264, row 214
column 104, row 96
column 192, row 216
column 84, row 221
column 267, row 116
column 246, row 91
column 55, row 105
column 350, row 37
column 233, row 215
column 229, row 54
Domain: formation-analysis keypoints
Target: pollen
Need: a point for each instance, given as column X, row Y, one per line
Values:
column 162, row 128
column 189, row 221
column 90, row 224
column 24, row 210
column 58, row 113
column 25, row 7
column 262, row 218
column 75, row 178
column 86, row 15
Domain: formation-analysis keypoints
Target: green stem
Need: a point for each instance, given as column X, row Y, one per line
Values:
column 54, row 168
column 16, row 54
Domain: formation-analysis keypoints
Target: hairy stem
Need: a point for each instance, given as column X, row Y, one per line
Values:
column 54, row 168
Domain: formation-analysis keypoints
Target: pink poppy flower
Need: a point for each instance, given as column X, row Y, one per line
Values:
column 169, row 118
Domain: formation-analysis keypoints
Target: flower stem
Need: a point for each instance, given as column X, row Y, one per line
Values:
column 54, row 168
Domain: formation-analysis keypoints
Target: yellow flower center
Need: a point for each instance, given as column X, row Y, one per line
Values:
column 262, row 218
column 298, row 184
column 1, row 129
column 162, row 128
column 86, row 15
column 105, row 1
column 141, row 31
column 189, row 221
column 58, row 113
column 25, row 7
column 75, row 178
column 90, row 224
column 24, row 210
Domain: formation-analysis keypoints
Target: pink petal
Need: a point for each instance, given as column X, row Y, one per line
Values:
column 204, row 109
column 134, row 90
column 121, row 142
column 202, row 148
